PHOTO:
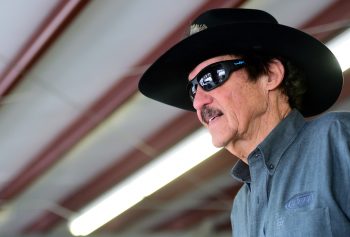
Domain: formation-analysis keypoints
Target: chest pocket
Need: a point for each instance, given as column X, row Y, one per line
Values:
column 302, row 223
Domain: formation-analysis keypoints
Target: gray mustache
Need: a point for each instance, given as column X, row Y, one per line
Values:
column 208, row 112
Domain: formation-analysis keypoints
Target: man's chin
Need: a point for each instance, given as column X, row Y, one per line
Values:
column 218, row 143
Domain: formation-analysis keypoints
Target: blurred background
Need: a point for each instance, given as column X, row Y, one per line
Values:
column 74, row 128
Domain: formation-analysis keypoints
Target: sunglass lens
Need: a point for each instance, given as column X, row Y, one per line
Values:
column 213, row 78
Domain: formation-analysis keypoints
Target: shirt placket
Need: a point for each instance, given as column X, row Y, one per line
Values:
column 258, row 195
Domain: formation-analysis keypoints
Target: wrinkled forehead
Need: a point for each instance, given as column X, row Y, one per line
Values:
column 207, row 62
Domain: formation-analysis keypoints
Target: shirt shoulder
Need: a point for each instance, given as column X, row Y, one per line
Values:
column 326, row 139
column 329, row 137
column 332, row 122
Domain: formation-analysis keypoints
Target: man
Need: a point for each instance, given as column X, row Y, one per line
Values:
column 252, row 81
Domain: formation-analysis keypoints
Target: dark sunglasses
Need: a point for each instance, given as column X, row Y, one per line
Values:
column 214, row 75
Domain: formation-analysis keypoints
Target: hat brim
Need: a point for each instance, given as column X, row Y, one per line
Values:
column 166, row 79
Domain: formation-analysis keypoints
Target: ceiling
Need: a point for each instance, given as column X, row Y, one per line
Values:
column 73, row 125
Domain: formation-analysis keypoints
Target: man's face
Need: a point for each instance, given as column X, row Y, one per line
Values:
column 232, row 112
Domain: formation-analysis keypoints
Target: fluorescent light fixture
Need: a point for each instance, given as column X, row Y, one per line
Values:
column 340, row 46
column 143, row 183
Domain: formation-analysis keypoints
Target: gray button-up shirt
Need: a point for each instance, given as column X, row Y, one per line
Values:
column 297, row 183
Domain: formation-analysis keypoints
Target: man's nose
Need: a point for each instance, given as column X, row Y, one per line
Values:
column 201, row 98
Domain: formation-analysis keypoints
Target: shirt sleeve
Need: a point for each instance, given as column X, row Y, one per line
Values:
column 339, row 135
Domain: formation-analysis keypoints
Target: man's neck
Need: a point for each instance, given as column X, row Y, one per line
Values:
column 260, row 130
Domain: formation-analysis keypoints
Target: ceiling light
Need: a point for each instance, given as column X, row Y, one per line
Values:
column 340, row 46
column 188, row 153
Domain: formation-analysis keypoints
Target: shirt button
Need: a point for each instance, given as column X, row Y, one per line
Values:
column 271, row 166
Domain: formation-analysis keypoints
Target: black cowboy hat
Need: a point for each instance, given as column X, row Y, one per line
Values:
column 228, row 31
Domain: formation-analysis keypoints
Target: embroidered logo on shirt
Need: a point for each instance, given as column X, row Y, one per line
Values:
column 300, row 200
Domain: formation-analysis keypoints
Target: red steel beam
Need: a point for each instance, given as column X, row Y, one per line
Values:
column 58, row 20
column 330, row 21
column 54, row 24
column 194, row 216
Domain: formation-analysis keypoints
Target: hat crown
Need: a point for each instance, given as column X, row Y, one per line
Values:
column 223, row 16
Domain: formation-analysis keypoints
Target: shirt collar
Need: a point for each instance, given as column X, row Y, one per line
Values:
column 273, row 146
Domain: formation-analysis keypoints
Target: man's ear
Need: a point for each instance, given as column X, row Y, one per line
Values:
column 275, row 75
